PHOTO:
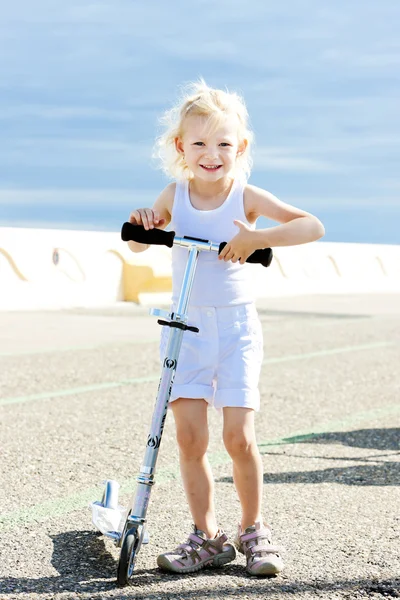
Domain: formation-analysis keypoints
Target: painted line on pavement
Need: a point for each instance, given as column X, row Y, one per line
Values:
column 135, row 380
column 329, row 352
column 62, row 506
column 147, row 340
column 301, row 436
column 77, row 348
column 78, row 390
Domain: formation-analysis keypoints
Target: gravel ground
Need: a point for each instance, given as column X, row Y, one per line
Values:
column 72, row 415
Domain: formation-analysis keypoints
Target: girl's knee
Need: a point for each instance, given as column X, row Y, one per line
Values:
column 238, row 443
column 192, row 442
column 191, row 426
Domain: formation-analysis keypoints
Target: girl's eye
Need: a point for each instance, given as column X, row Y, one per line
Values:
column 198, row 144
column 224, row 144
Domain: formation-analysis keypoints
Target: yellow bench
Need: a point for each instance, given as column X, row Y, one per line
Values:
column 138, row 279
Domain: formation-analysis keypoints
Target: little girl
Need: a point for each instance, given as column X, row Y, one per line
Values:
column 206, row 149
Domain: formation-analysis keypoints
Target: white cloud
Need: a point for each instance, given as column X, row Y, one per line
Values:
column 343, row 203
column 76, row 197
column 63, row 152
column 380, row 58
column 285, row 159
column 54, row 224
column 55, row 112
column 392, row 185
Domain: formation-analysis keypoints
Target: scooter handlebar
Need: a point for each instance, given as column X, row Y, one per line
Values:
column 263, row 257
column 159, row 237
column 137, row 233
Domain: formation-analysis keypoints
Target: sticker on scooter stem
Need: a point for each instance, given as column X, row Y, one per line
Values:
column 154, row 442
column 170, row 363
column 162, row 426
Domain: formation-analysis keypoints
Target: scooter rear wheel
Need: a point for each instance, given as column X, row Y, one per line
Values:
column 127, row 557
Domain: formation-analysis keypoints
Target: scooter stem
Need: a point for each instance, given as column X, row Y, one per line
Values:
column 145, row 479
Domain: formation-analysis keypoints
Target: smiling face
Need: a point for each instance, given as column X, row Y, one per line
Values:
column 210, row 149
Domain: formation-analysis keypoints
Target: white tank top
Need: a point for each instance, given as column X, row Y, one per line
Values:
column 216, row 283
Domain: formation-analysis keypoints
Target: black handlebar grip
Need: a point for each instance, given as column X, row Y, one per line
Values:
column 263, row 257
column 137, row 233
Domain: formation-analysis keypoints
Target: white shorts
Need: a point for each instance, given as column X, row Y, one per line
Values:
column 222, row 362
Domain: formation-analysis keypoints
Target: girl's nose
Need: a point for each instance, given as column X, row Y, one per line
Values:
column 211, row 153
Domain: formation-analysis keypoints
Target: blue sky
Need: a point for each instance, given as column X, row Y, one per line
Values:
column 83, row 83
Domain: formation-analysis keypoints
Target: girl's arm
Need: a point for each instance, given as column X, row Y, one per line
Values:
column 158, row 216
column 297, row 226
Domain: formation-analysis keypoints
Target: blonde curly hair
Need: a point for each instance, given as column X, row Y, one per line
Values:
column 201, row 100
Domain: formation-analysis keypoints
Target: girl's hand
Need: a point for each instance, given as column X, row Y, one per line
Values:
column 147, row 217
column 241, row 246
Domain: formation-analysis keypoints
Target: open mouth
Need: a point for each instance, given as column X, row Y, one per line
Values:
column 211, row 167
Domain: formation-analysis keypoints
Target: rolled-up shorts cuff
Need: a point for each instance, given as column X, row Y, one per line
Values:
column 192, row 391
column 243, row 398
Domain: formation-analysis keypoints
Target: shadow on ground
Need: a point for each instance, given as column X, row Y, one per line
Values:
column 79, row 573
column 80, row 557
column 386, row 474
column 376, row 470
column 379, row 439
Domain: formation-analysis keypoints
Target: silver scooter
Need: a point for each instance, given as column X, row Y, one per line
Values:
column 127, row 527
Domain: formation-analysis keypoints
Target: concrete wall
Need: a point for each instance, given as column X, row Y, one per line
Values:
column 51, row 269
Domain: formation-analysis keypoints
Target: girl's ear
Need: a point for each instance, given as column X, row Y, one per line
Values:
column 242, row 147
column 179, row 145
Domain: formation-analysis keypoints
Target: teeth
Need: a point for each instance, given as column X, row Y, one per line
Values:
column 210, row 166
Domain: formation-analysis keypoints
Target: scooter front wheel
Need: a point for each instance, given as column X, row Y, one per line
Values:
column 127, row 559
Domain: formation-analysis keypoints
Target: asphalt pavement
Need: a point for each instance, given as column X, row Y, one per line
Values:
column 77, row 390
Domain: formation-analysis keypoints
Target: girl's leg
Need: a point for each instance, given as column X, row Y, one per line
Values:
column 192, row 436
column 240, row 442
